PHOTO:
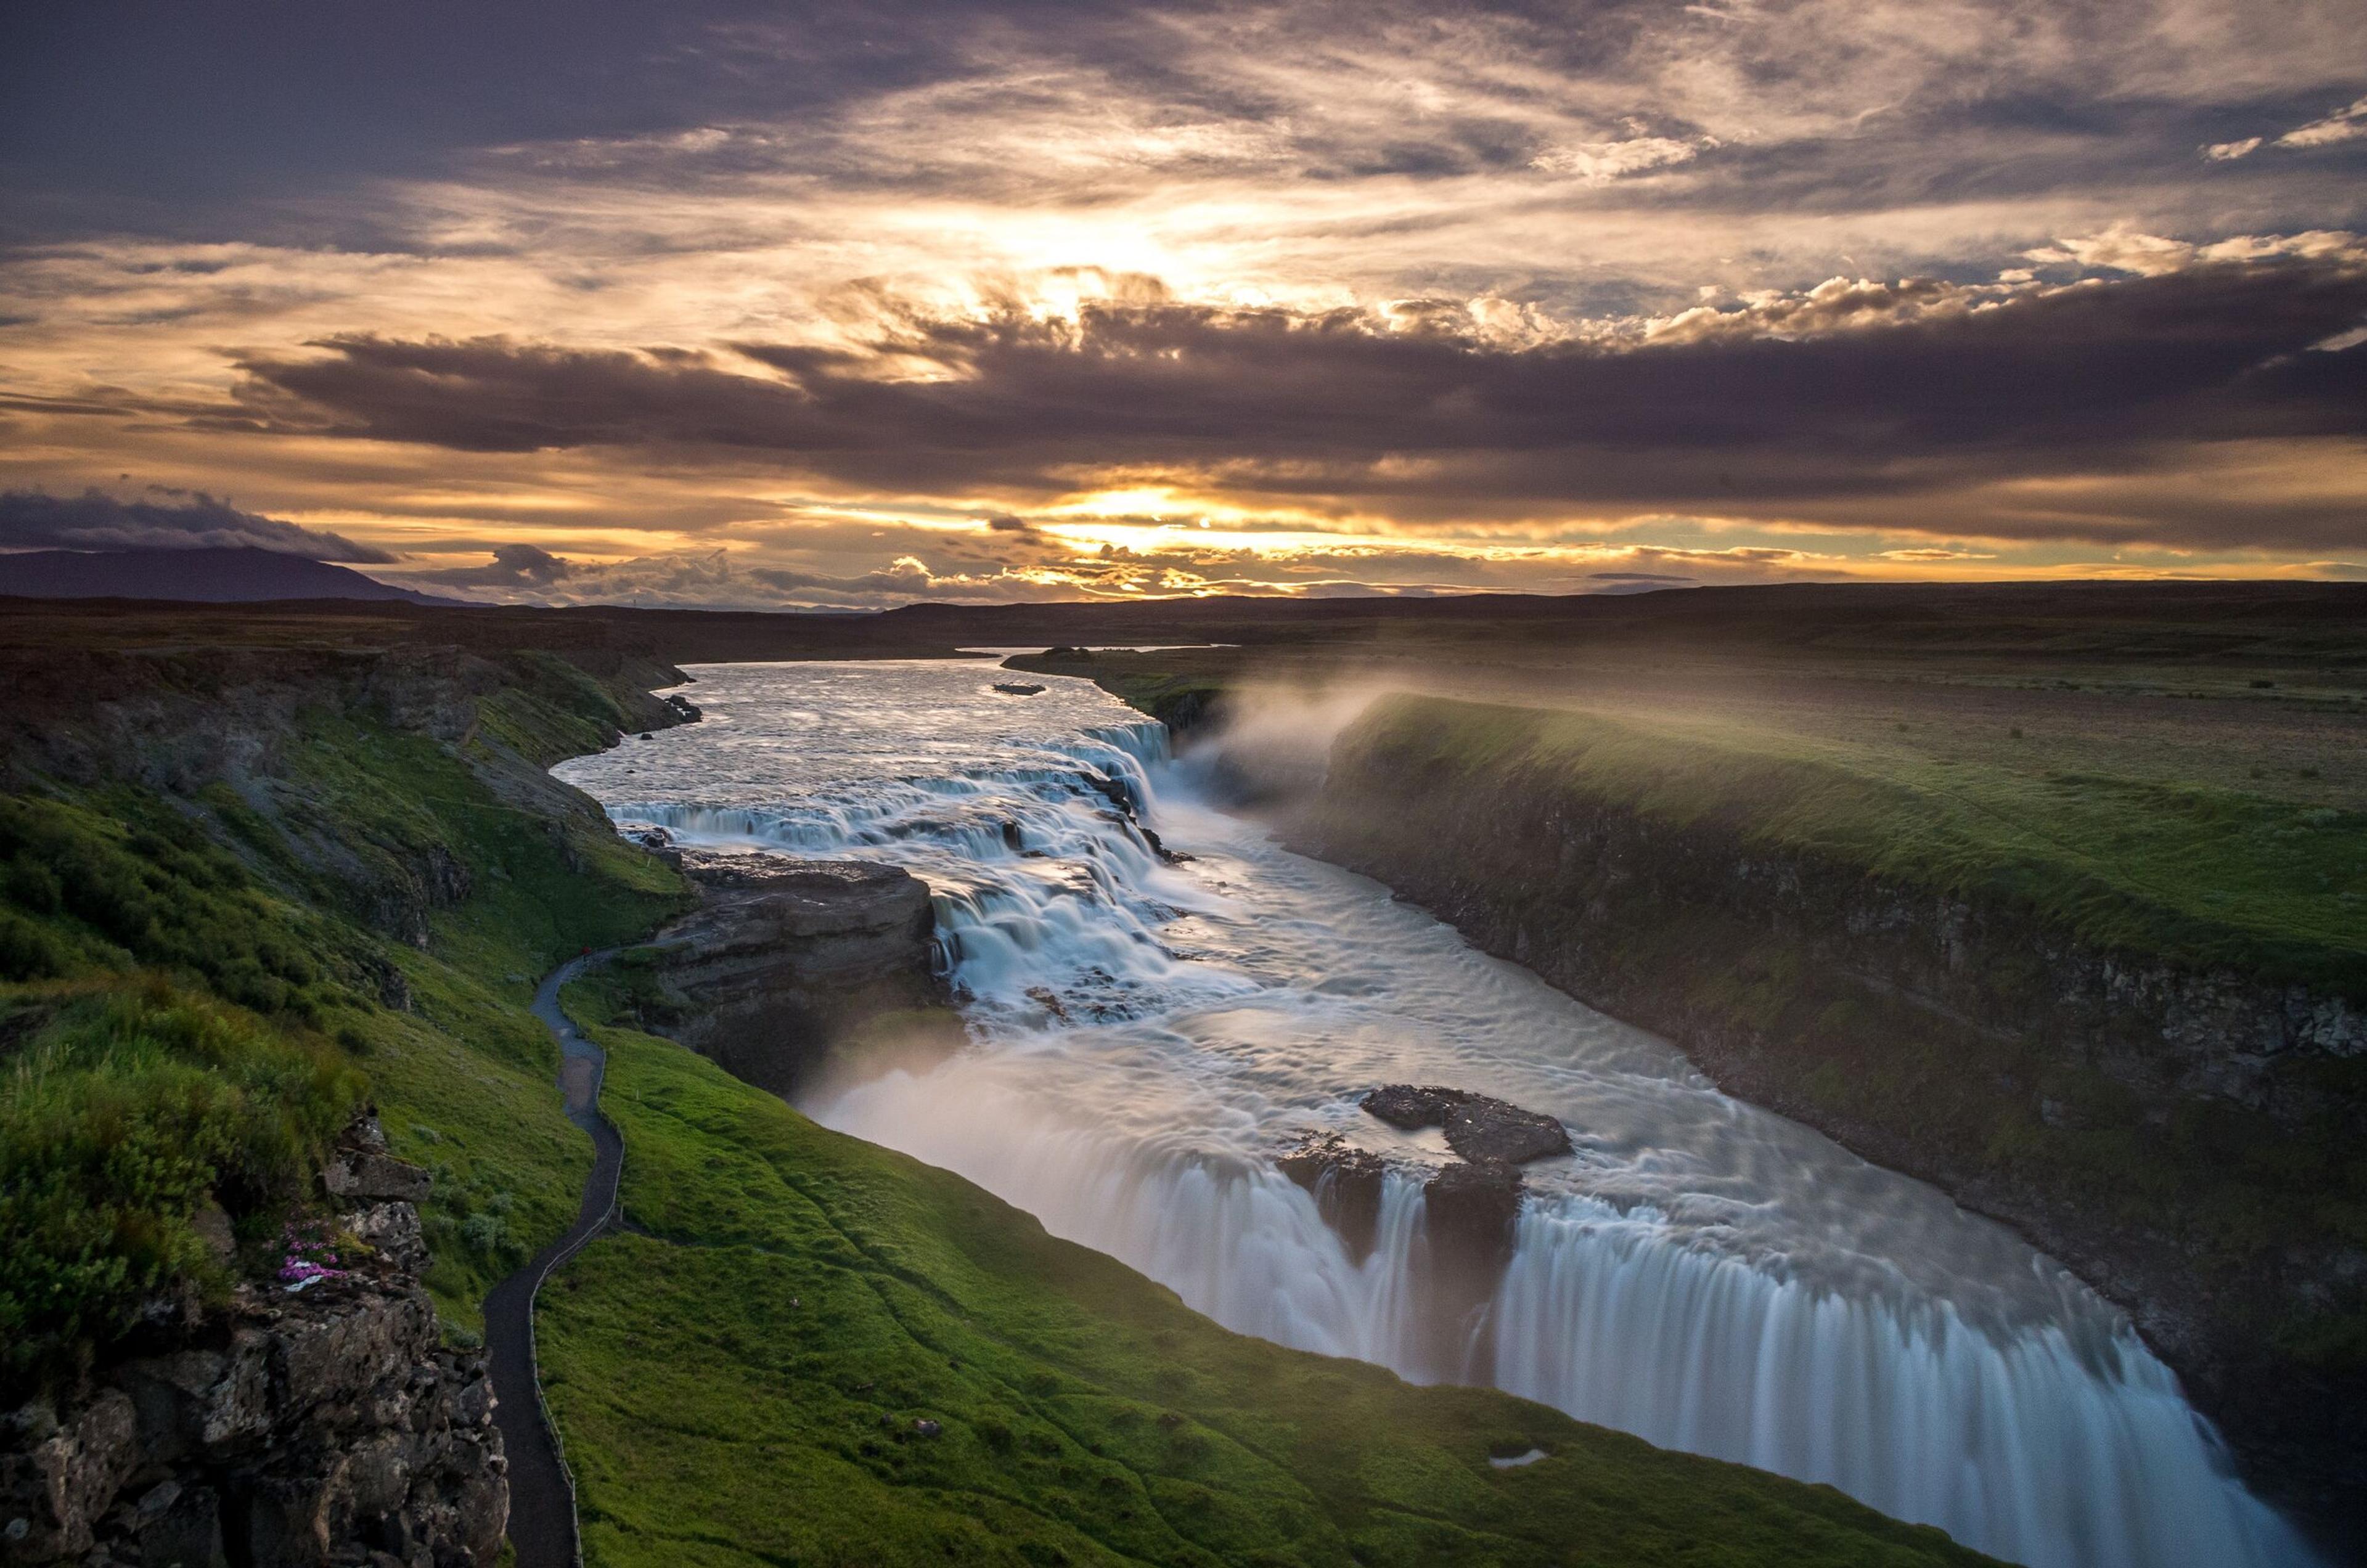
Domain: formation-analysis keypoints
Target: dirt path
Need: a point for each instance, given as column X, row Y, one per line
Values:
column 542, row 1494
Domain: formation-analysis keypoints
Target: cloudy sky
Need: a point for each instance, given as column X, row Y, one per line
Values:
column 851, row 305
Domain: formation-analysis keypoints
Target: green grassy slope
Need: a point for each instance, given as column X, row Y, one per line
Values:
column 199, row 984
column 2210, row 878
column 740, row 1382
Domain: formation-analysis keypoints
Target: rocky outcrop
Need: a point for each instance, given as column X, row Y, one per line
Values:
column 1345, row 1182
column 316, row 1420
column 1478, row 1128
column 785, row 959
column 1470, row 1206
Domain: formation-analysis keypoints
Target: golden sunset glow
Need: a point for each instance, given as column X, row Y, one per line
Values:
column 1248, row 300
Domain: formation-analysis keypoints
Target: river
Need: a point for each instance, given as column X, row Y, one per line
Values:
column 1145, row 1037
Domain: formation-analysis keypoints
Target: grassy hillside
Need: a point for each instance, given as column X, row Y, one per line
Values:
column 202, row 980
column 740, row 1382
column 2203, row 876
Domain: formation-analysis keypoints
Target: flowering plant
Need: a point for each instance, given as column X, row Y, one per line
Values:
column 307, row 1256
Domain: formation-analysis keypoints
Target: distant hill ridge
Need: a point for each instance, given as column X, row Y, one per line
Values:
column 212, row 577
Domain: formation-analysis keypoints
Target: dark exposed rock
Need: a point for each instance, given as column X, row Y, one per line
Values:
column 365, row 1175
column 1018, row 688
column 685, row 708
column 1469, row 1213
column 1483, row 1129
column 1478, row 1127
column 786, row 957
column 1112, row 790
column 1173, row 857
column 1411, row 1106
column 1471, row 1207
column 1346, row 1184
column 655, row 839
column 61, row 1481
column 293, row 1430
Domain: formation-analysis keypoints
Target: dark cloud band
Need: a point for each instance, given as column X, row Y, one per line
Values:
column 184, row 521
column 1920, row 391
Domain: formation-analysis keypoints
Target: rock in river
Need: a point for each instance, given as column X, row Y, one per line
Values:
column 1478, row 1127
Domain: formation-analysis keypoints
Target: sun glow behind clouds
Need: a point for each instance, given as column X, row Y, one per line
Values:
column 1288, row 298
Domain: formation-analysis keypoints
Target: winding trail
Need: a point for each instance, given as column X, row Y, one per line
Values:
column 542, row 1493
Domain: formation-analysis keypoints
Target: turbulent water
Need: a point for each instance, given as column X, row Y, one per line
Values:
column 1700, row 1272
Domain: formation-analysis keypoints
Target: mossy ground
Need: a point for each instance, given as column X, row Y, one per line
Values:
column 739, row 1380
column 2207, row 876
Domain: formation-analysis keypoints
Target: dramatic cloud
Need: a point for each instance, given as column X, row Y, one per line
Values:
column 514, row 566
column 1853, row 391
column 1600, row 163
column 96, row 521
column 903, row 298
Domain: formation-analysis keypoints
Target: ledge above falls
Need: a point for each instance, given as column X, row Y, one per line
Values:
column 785, row 962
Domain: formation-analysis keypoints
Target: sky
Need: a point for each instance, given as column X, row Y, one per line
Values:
column 844, row 307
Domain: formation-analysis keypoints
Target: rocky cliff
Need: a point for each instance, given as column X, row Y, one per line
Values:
column 786, row 963
column 2123, row 1112
column 314, row 1419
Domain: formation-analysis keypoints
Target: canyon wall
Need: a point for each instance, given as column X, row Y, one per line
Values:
column 2085, row 1096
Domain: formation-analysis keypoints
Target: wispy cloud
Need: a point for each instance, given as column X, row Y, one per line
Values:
column 2345, row 124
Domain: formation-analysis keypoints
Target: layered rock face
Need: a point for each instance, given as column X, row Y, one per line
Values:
column 785, row 958
column 294, row 1429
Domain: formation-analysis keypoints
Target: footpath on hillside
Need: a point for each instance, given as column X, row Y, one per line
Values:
column 542, row 1493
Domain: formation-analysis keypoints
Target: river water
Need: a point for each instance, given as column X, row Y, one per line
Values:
column 1145, row 1037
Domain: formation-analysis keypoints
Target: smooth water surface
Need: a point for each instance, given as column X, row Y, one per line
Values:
column 1700, row 1272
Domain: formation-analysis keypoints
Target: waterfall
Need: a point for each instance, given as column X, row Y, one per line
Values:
column 1700, row 1273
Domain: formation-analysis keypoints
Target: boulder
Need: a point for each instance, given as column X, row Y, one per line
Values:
column 1410, row 1107
column 1478, row 1127
column 1481, row 1130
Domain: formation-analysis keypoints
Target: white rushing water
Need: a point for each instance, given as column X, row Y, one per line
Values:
column 1700, row 1272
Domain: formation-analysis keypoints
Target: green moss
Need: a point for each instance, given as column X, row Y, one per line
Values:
column 741, row 1383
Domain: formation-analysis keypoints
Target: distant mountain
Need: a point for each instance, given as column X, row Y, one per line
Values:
column 212, row 577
